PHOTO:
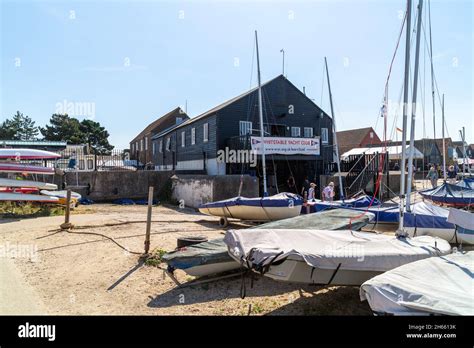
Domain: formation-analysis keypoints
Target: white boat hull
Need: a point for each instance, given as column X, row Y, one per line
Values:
column 447, row 234
column 298, row 271
column 212, row 268
column 253, row 213
column 27, row 183
column 24, row 197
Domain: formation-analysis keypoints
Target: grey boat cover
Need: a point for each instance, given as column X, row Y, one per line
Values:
column 215, row 251
column 348, row 250
column 438, row 285
column 334, row 219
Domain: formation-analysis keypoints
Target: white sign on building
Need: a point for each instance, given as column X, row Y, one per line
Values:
column 287, row 146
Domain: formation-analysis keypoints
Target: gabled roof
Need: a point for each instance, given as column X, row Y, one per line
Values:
column 351, row 138
column 215, row 109
column 160, row 121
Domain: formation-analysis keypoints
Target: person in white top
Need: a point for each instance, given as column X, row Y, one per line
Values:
column 328, row 192
column 311, row 191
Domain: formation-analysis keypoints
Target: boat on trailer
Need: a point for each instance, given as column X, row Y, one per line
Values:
column 434, row 286
column 363, row 201
column 212, row 257
column 325, row 257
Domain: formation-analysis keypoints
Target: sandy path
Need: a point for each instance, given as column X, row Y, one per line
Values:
column 16, row 296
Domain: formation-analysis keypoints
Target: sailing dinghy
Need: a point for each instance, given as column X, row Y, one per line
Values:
column 437, row 285
column 432, row 220
column 327, row 257
column 280, row 206
column 450, row 195
column 212, row 257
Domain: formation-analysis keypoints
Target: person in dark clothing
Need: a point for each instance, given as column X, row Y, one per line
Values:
column 291, row 184
column 451, row 175
column 306, row 187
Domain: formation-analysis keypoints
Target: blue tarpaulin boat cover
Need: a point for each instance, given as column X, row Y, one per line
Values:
column 450, row 194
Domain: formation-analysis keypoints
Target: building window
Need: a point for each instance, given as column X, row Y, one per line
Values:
column 153, row 147
column 206, row 132
column 136, row 146
column 183, row 139
column 245, row 128
column 141, row 144
column 168, row 143
column 131, row 147
column 179, row 120
column 146, row 143
column 193, row 136
column 295, row 131
column 160, row 147
column 324, row 135
column 308, row 132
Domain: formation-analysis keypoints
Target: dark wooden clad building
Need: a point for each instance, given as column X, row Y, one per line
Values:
column 141, row 147
column 195, row 145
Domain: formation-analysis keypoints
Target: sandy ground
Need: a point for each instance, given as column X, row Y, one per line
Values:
column 67, row 273
column 88, row 274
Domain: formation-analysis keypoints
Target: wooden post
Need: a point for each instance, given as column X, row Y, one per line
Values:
column 148, row 219
column 67, row 225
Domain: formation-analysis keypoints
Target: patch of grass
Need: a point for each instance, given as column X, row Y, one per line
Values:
column 155, row 257
column 29, row 210
column 257, row 308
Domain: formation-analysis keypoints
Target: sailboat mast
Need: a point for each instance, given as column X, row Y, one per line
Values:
column 464, row 155
column 260, row 114
column 432, row 72
column 444, row 145
column 341, row 190
column 413, row 105
column 405, row 115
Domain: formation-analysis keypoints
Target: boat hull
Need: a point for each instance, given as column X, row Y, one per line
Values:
column 27, row 183
column 24, row 168
column 24, row 197
column 281, row 206
column 298, row 271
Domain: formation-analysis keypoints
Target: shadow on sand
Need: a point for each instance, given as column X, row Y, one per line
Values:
column 313, row 299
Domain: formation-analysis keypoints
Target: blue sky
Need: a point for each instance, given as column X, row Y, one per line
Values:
column 132, row 61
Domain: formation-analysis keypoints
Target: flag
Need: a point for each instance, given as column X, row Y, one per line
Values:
column 400, row 130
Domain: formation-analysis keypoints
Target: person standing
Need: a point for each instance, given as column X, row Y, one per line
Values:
column 433, row 177
column 451, row 175
column 328, row 193
column 306, row 187
column 311, row 192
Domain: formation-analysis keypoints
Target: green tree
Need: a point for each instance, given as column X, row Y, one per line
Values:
column 63, row 128
column 96, row 137
column 20, row 127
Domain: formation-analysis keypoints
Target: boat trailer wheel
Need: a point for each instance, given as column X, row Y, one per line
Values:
column 223, row 222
